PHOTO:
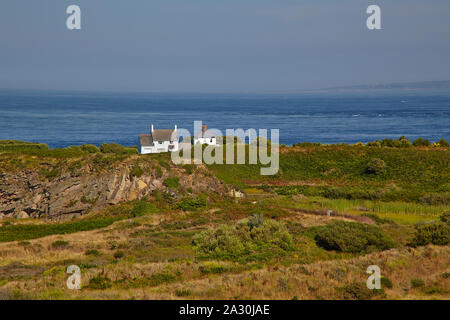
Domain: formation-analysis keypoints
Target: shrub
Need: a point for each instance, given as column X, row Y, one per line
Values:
column 90, row 148
column 60, row 244
column 92, row 252
column 255, row 220
column 376, row 166
column 403, row 142
column 161, row 278
column 100, row 282
column 420, row 142
column 172, row 183
column 213, row 268
column 436, row 233
column 376, row 143
column 351, row 237
column 137, row 171
column 387, row 143
column 386, row 283
column 182, row 292
column 445, row 217
column 189, row 168
column 192, row 204
column 417, row 283
column 119, row 254
column 142, row 208
column 112, row 148
column 359, row 291
column 158, row 172
column 227, row 242
column 443, row 143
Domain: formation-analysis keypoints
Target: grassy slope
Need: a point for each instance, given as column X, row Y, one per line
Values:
column 412, row 174
column 148, row 253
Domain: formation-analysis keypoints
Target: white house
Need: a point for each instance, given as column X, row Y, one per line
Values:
column 204, row 137
column 161, row 140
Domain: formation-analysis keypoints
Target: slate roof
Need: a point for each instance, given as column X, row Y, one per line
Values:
column 146, row 140
column 165, row 135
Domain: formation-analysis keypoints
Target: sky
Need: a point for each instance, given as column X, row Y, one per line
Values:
column 207, row 46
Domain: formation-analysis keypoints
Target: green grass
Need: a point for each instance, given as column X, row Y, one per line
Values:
column 399, row 212
column 411, row 174
column 33, row 231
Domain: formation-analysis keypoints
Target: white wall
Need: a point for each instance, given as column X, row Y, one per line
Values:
column 160, row 147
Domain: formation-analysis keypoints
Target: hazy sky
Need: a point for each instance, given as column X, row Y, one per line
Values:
column 221, row 46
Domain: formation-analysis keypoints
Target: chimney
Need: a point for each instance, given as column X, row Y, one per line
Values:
column 175, row 127
column 152, row 127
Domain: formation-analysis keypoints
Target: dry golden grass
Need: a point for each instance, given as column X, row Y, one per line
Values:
column 43, row 273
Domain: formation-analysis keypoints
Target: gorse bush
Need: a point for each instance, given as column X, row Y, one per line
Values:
column 172, row 183
column 443, row 143
column 417, row 283
column 143, row 208
column 351, row 237
column 436, row 233
column 117, row 149
column 270, row 239
column 192, row 204
column 420, row 142
column 100, row 282
column 376, row 166
column 445, row 217
column 136, row 171
column 89, row 148
column 255, row 220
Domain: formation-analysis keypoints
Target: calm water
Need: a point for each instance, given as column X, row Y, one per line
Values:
column 63, row 119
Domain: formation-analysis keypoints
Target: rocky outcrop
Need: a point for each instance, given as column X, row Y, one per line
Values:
column 27, row 194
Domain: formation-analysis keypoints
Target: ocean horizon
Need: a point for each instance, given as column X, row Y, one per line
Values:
column 62, row 119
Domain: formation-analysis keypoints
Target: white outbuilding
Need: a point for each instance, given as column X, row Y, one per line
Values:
column 204, row 137
column 160, row 140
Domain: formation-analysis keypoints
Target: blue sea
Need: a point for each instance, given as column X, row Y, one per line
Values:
column 62, row 119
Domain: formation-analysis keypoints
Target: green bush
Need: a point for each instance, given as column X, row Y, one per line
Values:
column 417, row 283
column 90, row 148
column 143, row 208
column 137, row 171
column 386, row 283
column 117, row 149
column 60, row 244
column 262, row 242
column 376, row 166
column 119, row 254
column 182, row 292
column 188, row 168
column 359, row 291
column 100, row 282
column 172, row 183
column 445, row 217
column 443, row 143
column 192, row 204
column 255, row 220
column 420, row 142
column 436, row 233
column 112, row 148
column 33, row 231
column 161, row 278
column 92, row 252
column 351, row 237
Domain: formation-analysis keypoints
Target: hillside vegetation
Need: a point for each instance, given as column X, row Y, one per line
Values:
column 310, row 232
